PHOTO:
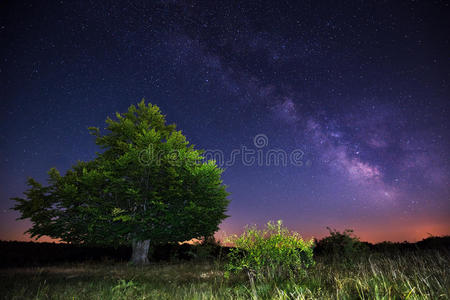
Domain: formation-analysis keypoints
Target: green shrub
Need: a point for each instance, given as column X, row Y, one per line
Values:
column 272, row 253
column 340, row 247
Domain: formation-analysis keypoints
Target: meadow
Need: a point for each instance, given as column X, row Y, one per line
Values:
column 406, row 273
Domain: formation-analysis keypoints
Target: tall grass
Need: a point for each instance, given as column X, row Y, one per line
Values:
column 412, row 275
column 424, row 275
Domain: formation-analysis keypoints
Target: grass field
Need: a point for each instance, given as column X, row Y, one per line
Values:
column 414, row 275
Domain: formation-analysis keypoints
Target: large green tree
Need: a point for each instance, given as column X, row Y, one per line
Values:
column 148, row 185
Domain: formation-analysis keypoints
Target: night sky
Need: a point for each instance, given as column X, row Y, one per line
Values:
column 361, row 89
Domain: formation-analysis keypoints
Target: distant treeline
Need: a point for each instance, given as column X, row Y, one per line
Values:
column 430, row 243
column 13, row 253
column 25, row 254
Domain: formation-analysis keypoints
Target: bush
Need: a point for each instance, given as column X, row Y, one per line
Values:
column 207, row 249
column 272, row 253
column 340, row 247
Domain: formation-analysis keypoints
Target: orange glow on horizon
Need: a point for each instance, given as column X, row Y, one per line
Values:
column 396, row 231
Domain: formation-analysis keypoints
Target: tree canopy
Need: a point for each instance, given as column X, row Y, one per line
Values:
column 147, row 184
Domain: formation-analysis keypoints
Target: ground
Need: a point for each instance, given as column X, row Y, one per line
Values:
column 423, row 275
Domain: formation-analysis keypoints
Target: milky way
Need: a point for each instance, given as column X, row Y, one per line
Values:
column 361, row 89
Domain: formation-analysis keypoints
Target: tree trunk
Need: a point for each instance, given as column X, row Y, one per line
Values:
column 140, row 252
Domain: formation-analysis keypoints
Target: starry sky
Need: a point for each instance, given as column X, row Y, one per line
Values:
column 360, row 88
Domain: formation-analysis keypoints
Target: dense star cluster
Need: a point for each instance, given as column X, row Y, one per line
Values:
column 362, row 89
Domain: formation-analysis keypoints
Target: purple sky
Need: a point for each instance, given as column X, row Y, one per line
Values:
column 360, row 89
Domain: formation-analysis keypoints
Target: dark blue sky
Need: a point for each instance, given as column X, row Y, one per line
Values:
column 362, row 89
